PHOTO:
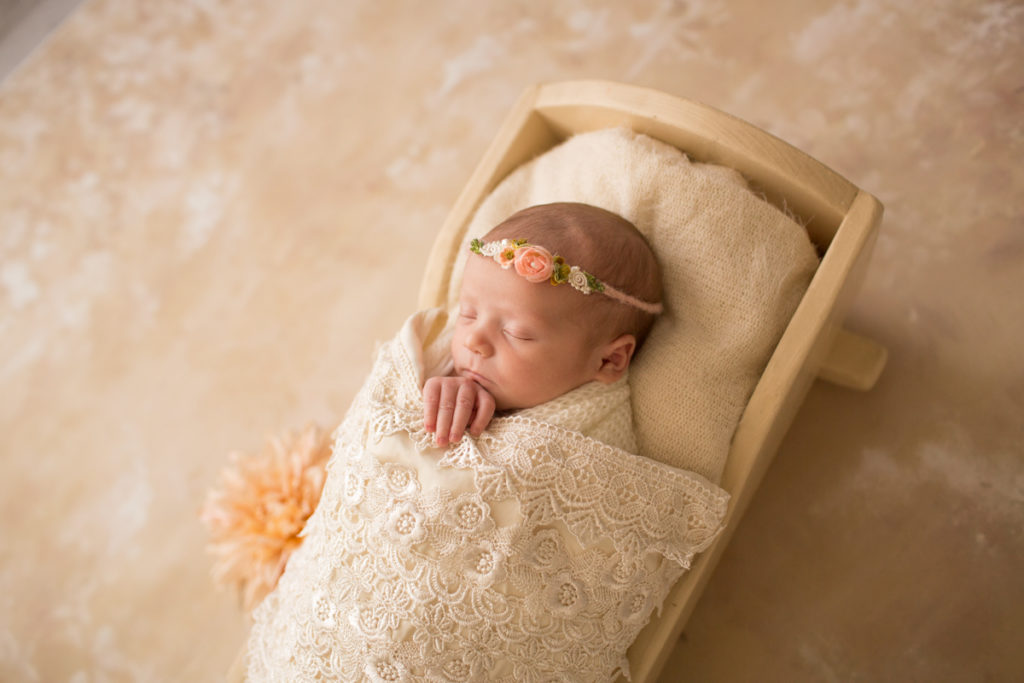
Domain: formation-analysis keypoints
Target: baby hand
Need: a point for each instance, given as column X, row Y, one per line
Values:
column 450, row 404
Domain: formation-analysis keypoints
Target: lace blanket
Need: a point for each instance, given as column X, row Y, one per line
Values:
column 532, row 553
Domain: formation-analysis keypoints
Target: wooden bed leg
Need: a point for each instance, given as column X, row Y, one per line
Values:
column 853, row 362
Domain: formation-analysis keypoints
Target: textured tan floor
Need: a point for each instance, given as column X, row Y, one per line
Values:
column 210, row 211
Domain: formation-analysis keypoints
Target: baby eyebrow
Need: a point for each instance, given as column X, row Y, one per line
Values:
column 507, row 316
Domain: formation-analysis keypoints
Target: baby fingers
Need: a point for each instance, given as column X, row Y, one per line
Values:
column 431, row 398
column 451, row 405
column 484, row 412
column 445, row 412
column 465, row 401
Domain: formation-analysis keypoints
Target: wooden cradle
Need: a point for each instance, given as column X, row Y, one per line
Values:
column 841, row 221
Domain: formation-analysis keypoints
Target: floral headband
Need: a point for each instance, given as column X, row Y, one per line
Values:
column 536, row 264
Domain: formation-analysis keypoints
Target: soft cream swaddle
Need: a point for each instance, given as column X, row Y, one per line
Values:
column 532, row 553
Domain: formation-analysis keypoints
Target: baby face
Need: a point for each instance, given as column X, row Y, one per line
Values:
column 525, row 343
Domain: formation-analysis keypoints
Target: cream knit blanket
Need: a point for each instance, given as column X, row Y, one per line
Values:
column 533, row 553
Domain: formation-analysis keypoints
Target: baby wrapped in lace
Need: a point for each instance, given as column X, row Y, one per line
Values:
column 485, row 517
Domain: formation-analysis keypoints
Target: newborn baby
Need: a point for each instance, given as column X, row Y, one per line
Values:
column 534, row 323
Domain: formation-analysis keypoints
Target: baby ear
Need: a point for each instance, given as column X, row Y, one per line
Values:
column 615, row 358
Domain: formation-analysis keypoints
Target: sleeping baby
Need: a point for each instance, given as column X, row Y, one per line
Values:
column 486, row 516
column 517, row 345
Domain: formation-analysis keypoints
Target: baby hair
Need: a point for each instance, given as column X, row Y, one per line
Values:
column 601, row 243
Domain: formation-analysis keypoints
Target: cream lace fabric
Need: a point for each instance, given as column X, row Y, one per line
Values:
column 533, row 553
column 599, row 411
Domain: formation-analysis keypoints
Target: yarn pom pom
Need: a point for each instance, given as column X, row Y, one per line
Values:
column 260, row 506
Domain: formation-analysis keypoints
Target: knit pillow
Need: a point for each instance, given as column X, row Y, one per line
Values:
column 734, row 268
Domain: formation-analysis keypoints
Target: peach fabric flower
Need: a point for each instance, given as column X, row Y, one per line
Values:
column 534, row 263
column 506, row 255
column 254, row 517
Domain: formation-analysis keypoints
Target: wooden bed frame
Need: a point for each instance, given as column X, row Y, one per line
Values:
column 841, row 220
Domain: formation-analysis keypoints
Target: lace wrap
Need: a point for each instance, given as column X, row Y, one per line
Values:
column 530, row 554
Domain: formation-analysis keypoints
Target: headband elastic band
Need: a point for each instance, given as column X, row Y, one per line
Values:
column 537, row 264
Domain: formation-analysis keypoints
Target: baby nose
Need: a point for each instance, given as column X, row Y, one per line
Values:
column 477, row 342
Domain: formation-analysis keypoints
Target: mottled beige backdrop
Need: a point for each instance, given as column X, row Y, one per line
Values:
column 210, row 210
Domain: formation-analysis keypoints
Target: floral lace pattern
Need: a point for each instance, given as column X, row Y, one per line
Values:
column 530, row 554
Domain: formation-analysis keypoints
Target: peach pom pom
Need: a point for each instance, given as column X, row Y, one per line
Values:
column 261, row 505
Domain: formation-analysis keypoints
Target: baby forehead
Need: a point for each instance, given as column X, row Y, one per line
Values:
column 487, row 284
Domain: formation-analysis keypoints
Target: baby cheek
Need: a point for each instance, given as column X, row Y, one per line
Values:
column 459, row 340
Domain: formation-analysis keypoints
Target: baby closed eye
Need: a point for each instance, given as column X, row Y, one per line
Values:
column 518, row 335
